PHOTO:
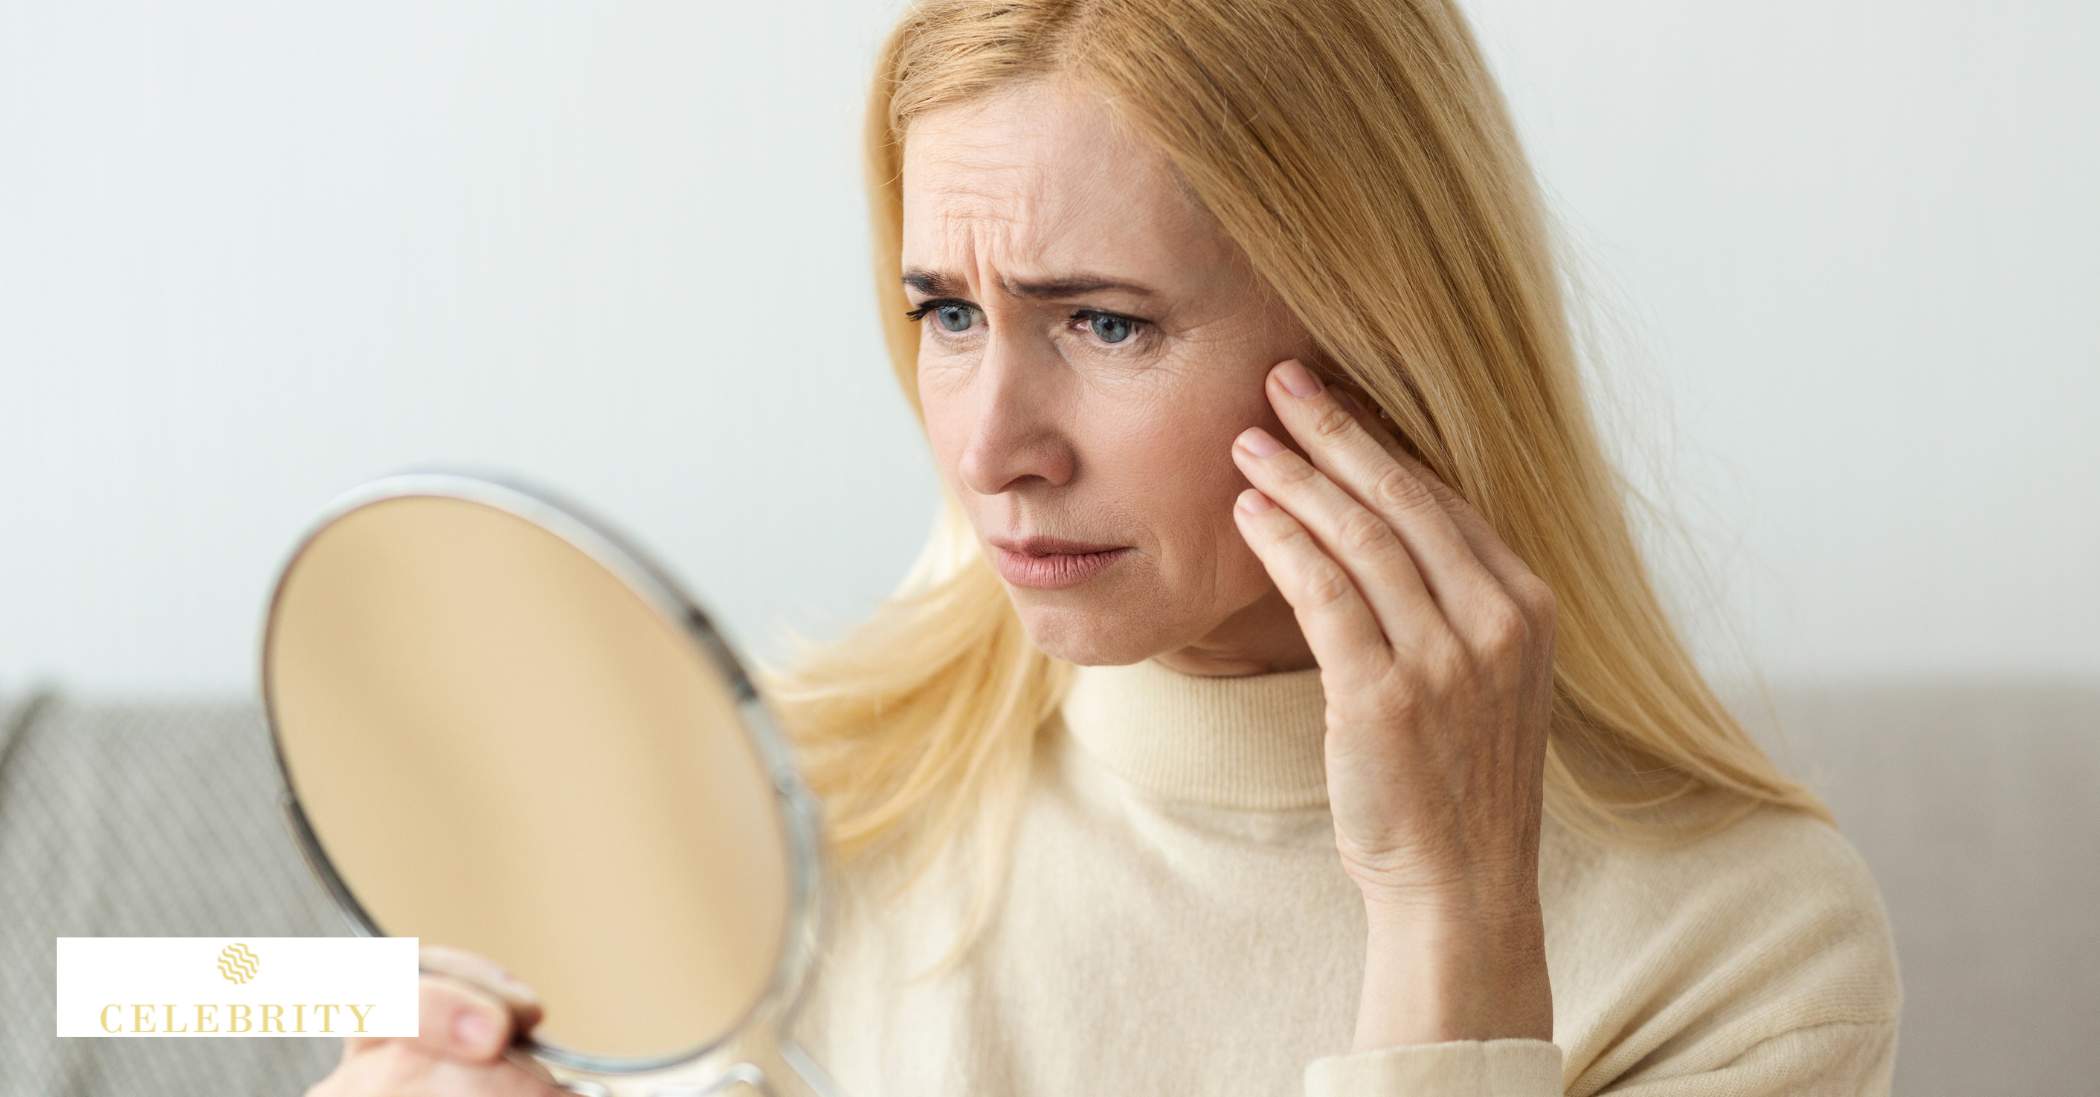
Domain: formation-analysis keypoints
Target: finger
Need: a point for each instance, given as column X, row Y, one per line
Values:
column 1337, row 622
column 469, row 1023
column 1531, row 593
column 1338, row 444
column 1359, row 539
column 402, row 1070
column 1487, row 545
column 486, row 973
column 456, row 1020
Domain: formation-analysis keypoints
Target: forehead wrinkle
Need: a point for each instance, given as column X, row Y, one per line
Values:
column 970, row 239
column 977, row 201
column 1027, row 241
column 981, row 222
column 956, row 167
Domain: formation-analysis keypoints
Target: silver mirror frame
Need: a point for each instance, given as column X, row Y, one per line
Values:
column 596, row 538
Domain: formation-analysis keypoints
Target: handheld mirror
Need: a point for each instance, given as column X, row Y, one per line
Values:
column 502, row 728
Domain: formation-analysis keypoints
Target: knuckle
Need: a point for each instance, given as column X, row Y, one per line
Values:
column 1293, row 472
column 1292, row 536
column 1539, row 597
column 1364, row 531
column 1503, row 624
column 1326, row 585
column 1439, row 488
column 1332, row 421
column 1397, row 487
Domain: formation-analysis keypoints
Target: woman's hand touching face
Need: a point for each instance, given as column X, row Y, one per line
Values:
column 1435, row 646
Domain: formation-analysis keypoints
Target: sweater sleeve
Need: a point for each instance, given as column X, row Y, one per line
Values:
column 1831, row 1059
column 1457, row 1068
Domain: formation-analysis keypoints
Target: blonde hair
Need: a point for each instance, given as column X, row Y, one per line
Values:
column 1361, row 157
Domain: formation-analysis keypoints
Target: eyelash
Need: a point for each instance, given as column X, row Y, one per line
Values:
column 1139, row 329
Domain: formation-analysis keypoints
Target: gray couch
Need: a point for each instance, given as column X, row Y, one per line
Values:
column 1977, row 803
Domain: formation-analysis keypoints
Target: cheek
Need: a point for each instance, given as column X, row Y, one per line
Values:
column 944, row 426
column 1191, row 482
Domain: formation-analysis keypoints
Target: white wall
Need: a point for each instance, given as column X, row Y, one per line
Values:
column 252, row 254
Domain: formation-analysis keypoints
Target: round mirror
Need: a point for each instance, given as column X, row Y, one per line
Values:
column 501, row 728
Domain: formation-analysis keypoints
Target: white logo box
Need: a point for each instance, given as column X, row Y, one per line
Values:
column 238, row 986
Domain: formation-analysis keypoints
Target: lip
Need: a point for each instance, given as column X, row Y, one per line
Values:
column 1055, row 570
column 1046, row 546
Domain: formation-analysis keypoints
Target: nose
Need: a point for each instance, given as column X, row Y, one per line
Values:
column 1016, row 432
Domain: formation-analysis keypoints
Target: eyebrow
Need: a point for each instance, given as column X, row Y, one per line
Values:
column 938, row 284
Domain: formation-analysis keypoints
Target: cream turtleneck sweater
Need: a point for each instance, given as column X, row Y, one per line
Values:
column 1177, row 922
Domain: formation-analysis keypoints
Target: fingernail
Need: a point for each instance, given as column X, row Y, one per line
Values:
column 1258, row 442
column 1254, row 502
column 472, row 1030
column 1298, row 379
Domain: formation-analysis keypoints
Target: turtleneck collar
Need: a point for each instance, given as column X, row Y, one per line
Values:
column 1252, row 742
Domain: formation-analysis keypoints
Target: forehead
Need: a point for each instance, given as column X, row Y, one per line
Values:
column 1041, row 178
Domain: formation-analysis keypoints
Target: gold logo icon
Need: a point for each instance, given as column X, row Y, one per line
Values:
column 238, row 963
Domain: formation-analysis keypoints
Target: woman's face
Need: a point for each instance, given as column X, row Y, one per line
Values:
column 1095, row 414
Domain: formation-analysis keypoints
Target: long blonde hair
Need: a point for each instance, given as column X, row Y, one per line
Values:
column 1360, row 155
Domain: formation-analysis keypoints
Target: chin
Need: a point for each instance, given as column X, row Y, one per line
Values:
column 1088, row 637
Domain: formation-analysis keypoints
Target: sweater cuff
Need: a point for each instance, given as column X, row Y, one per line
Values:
column 1510, row 1067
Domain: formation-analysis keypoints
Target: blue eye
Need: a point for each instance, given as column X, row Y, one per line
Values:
column 1104, row 322
column 1112, row 329
column 945, row 310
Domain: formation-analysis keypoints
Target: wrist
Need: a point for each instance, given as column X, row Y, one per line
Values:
column 1434, row 979
column 1510, row 917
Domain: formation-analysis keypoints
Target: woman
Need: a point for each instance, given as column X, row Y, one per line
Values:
column 1331, row 787
column 1355, row 755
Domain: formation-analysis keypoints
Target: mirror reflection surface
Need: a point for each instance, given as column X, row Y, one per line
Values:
column 499, row 744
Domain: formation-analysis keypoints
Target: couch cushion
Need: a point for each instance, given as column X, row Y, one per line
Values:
column 1977, row 804
column 145, row 819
